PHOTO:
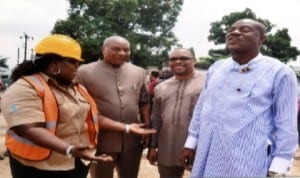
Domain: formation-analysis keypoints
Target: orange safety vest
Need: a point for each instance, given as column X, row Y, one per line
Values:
column 28, row 150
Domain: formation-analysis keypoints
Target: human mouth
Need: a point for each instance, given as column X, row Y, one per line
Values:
column 179, row 67
column 232, row 39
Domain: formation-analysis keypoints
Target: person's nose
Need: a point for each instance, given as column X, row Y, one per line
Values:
column 235, row 31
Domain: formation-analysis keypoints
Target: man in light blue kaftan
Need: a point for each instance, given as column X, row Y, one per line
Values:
column 244, row 123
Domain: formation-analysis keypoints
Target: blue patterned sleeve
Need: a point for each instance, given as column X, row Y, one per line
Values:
column 285, row 121
column 194, row 126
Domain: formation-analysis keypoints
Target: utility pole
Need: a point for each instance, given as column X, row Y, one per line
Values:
column 26, row 37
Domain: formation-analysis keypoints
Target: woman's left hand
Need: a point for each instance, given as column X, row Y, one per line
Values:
column 88, row 153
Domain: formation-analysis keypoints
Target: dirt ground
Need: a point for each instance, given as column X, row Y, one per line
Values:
column 146, row 170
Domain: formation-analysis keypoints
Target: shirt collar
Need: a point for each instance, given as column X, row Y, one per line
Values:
column 246, row 67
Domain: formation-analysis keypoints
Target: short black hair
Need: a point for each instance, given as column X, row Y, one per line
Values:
column 154, row 73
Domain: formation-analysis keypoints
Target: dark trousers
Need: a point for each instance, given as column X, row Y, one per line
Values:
column 170, row 171
column 126, row 163
column 19, row 170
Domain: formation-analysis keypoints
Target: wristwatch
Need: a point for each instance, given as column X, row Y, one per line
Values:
column 68, row 151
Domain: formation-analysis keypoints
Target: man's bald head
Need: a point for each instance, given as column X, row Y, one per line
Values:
column 114, row 39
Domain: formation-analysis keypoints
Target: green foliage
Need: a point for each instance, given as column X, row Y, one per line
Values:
column 147, row 24
column 277, row 45
column 204, row 62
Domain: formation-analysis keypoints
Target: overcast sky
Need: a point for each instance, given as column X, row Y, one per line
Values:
column 37, row 17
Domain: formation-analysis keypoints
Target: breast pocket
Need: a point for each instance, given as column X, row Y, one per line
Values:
column 70, row 108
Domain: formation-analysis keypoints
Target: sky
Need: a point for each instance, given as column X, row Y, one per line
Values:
column 36, row 18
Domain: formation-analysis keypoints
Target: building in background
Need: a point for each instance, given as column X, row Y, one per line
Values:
column 4, row 79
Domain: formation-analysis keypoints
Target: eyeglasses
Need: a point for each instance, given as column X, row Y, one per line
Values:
column 181, row 58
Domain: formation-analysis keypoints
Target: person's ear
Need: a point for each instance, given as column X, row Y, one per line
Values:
column 262, row 40
column 194, row 62
column 53, row 64
column 102, row 48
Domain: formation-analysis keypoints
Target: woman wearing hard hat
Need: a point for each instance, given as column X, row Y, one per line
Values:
column 52, row 121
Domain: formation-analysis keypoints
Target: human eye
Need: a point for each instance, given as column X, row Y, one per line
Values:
column 116, row 49
column 230, row 30
column 246, row 29
column 126, row 50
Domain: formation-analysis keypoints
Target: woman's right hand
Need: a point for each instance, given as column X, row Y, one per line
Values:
column 88, row 153
column 140, row 129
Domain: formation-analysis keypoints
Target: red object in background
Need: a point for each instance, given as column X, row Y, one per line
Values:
column 1, row 84
column 151, row 86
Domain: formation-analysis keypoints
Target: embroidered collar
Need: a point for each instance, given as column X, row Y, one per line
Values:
column 246, row 67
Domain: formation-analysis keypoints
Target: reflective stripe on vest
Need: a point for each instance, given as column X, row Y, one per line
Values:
column 28, row 150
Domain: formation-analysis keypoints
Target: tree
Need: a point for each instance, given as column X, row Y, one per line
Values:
column 146, row 24
column 4, row 77
column 277, row 45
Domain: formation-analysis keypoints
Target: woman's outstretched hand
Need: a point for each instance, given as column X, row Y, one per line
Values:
column 88, row 153
column 140, row 129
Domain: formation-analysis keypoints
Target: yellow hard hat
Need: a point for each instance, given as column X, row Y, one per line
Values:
column 62, row 45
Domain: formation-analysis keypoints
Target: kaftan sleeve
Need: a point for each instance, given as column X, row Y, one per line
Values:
column 156, row 120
